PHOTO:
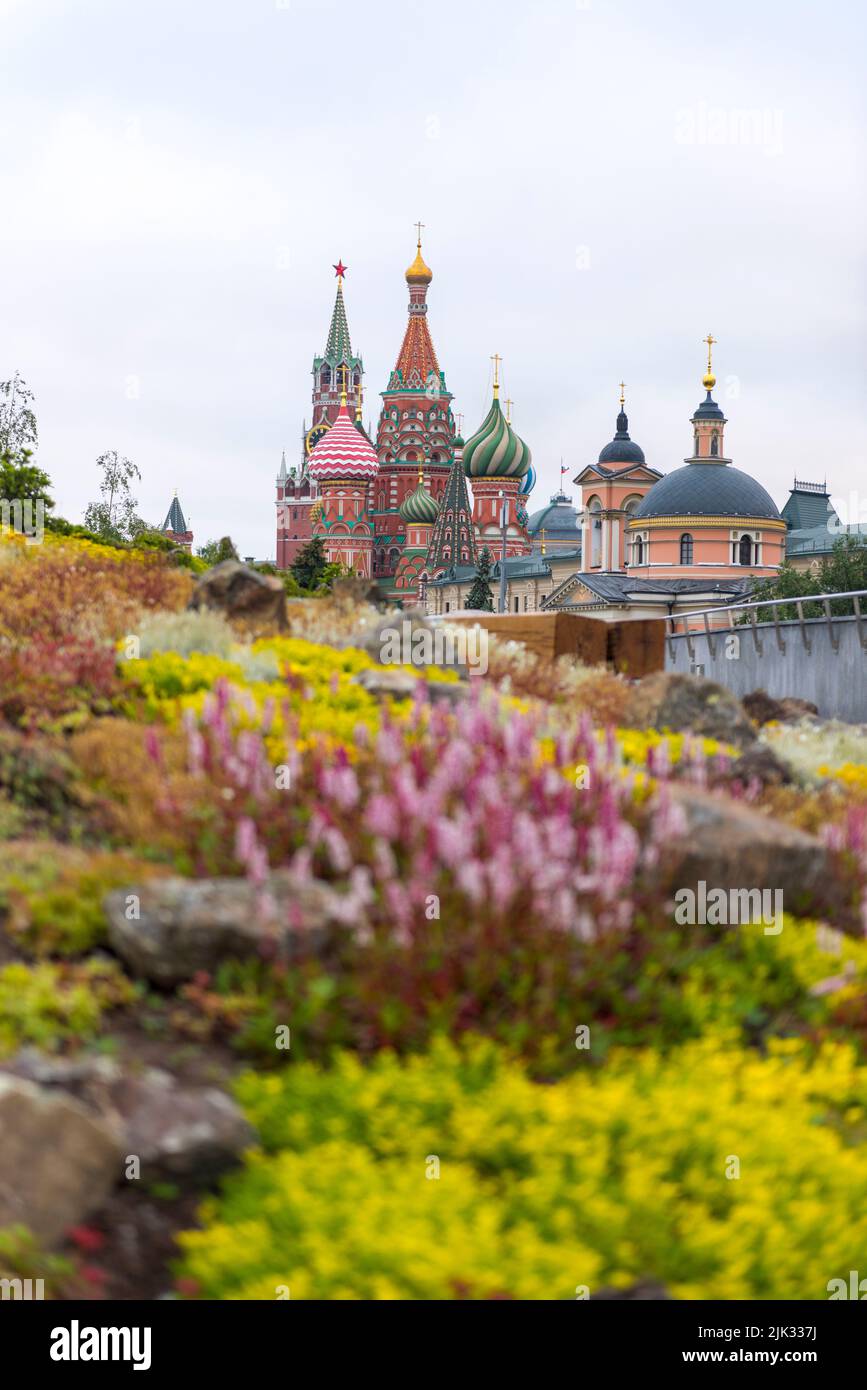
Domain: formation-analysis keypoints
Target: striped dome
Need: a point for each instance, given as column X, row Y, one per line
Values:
column 420, row 507
column 495, row 450
column 343, row 452
column 529, row 481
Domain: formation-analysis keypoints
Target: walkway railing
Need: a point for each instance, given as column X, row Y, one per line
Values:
column 759, row 628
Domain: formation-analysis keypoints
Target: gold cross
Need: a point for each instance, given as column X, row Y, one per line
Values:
column 509, row 405
column 542, row 534
column 420, row 228
column 496, row 359
column 623, row 393
column 710, row 340
column 460, row 420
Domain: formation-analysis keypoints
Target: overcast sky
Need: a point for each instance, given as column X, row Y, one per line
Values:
column 602, row 183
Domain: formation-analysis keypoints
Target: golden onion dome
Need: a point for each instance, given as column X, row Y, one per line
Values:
column 419, row 273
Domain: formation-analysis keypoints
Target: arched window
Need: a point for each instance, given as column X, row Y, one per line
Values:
column 594, row 507
column 714, row 446
column 686, row 550
column 325, row 378
column 745, row 551
column 638, row 551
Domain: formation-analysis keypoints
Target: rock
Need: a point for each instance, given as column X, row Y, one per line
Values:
column 177, row 1132
column 352, row 589
column 386, row 683
column 689, row 704
column 726, row 844
column 762, row 708
column 383, row 682
column 191, row 925
column 255, row 601
column 761, row 764
column 58, row 1161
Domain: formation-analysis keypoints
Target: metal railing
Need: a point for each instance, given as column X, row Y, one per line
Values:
column 758, row 628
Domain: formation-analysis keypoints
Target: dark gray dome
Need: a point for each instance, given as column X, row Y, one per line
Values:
column 622, row 449
column 707, row 489
column 559, row 518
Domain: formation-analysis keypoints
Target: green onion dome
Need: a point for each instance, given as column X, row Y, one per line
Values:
column 495, row 450
column 419, row 507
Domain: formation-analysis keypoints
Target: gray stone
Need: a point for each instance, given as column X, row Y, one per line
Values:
column 190, row 925
column 728, row 845
column 58, row 1161
column 689, row 704
column 178, row 1132
column 256, row 601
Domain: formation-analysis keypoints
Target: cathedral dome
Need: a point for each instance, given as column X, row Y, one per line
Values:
column 622, row 449
column 419, row 273
column 529, row 481
column 420, row 507
column 495, row 450
column 343, row 453
column 707, row 489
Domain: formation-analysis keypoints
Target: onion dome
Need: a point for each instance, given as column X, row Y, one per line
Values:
column 419, row 273
column 529, row 481
column 495, row 450
column 707, row 489
column 622, row 449
column 343, row 453
column 419, row 507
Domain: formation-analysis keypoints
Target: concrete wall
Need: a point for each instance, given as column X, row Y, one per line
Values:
column 836, row 681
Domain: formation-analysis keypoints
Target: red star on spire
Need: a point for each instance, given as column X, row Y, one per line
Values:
column 340, row 269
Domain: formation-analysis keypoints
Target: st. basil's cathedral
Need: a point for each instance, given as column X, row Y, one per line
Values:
column 398, row 511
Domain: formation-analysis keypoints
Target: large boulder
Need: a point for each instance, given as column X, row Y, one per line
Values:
column 256, row 602
column 763, row 708
column 58, row 1160
column 176, row 1131
column 689, row 704
column 726, row 844
column 181, row 926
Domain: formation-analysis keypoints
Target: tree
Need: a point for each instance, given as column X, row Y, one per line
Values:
column 18, row 433
column 480, row 596
column 214, row 552
column 841, row 572
column 310, row 566
column 22, row 481
column 115, row 515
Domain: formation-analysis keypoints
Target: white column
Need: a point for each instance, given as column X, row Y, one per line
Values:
column 605, row 541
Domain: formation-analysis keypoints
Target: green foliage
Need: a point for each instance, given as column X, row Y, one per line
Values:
column 214, row 552
column 310, row 566
column 22, row 481
column 453, row 1175
column 480, row 597
column 48, row 1005
column 843, row 571
column 18, row 431
column 114, row 516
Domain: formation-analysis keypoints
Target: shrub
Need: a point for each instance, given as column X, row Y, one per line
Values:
column 52, row 895
column 606, row 1178
column 50, row 1005
column 200, row 630
column 45, row 679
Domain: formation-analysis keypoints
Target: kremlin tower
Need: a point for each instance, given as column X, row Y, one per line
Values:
column 416, row 431
column 497, row 460
column 296, row 492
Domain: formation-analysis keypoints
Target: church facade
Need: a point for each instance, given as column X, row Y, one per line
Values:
column 397, row 508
